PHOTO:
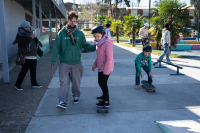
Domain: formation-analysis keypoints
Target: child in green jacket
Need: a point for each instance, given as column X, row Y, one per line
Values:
column 143, row 60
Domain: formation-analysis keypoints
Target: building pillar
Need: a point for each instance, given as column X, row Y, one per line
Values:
column 50, row 24
column 3, row 43
column 56, row 25
column 40, row 16
column 34, row 16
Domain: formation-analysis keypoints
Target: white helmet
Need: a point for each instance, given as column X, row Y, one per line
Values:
column 147, row 24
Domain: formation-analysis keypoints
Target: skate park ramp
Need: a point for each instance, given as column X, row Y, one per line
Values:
column 180, row 126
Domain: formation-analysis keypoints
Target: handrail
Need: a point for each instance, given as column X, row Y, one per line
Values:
column 168, row 64
column 178, row 67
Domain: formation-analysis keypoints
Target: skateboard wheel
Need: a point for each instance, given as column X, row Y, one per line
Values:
column 154, row 90
column 147, row 90
column 97, row 111
column 106, row 111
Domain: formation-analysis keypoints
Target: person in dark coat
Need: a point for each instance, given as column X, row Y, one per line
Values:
column 29, row 47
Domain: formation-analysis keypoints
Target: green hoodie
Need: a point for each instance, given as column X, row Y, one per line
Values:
column 68, row 53
column 141, row 60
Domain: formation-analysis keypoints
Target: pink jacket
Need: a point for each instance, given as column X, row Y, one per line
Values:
column 104, row 51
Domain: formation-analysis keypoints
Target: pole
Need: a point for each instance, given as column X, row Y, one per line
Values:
column 149, row 11
column 198, row 21
column 40, row 16
column 73, row 5
column 3, row 43
column 50, row 27
column 149, row 18
column 34, row 15
column 102, row 8
column 56, row 25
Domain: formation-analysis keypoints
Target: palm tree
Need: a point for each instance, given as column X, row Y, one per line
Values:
column 173, row 12
column 116, row 27
column 108, row 21
column 100, row 20
column 132, row 24
column 138, row 1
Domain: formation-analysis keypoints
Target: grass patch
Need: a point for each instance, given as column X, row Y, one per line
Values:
column 155, row 52
column 124, row 37
column 87, row 33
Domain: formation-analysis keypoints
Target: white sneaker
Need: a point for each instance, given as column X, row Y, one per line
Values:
column 137, row 87
column 169, row 62
column 61, row 105
column 36, row 86
column 76, row 100
column 19, row 88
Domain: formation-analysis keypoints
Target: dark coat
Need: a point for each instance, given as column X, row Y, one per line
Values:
column 23, row 42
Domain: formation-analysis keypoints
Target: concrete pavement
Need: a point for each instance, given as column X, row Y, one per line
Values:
column 131, row 111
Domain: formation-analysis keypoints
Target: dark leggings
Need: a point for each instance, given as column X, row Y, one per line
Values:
column 102, row 80
column 29, row 64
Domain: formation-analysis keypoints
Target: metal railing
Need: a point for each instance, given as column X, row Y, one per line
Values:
column 60, row 5
column 178, row 67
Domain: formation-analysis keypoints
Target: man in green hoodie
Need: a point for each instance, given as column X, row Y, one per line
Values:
column 68, row 44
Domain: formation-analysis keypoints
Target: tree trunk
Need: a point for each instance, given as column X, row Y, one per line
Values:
column 111, row 8
column 196, row 15
column 133, row 38
column 116, row 9
column 117, row 34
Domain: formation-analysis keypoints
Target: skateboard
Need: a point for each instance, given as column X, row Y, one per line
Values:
column 102, row 109
column 148, row 86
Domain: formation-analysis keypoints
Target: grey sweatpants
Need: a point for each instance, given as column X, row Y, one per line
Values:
column 69, row 73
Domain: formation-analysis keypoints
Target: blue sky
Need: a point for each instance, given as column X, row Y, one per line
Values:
column 142, row 3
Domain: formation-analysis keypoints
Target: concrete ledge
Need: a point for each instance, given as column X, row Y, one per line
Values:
column 153, row 44
column 191, row 42
column 181, row 42
column 195, row 47
column 189, row 38
column 136, row 41
column 182, row 47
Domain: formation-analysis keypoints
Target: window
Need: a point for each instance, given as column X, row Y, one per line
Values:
column 134, row 12
column 191, row 12
column 146, row 12
column 192, row 22
column 29, row 19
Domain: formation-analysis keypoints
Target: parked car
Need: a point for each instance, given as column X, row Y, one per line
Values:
column 46, row 30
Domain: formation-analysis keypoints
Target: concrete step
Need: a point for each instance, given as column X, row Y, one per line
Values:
column 180, row 126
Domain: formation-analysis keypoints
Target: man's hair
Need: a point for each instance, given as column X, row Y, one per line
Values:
column 108, row 25
column 72, row 14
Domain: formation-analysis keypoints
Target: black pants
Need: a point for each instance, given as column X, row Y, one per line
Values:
column 142, row 41
column 29, row 64
column 102, row 80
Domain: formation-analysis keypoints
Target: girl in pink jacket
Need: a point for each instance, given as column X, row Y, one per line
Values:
column 104, row 62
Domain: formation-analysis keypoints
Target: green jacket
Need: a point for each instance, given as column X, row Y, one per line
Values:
column 68, row 53
column 141, row 60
